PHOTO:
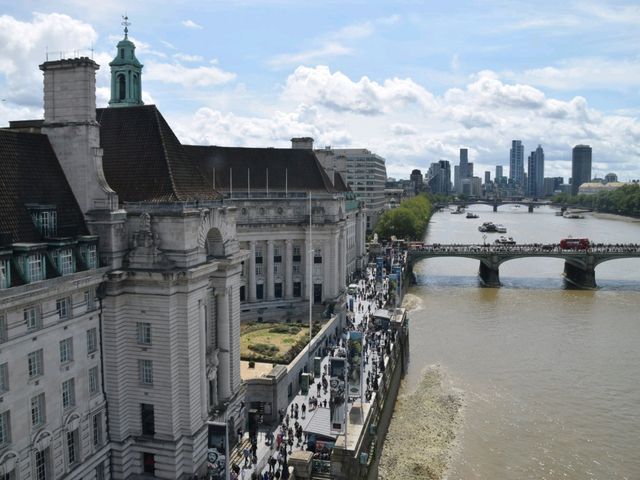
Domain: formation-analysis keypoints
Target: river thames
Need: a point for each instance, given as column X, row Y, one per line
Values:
column 549, row 376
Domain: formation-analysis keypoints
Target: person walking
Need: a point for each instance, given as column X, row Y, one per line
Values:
column 304, row 410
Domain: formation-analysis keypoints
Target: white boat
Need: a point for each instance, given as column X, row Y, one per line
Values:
column 573, row 215
column 501, row 228
column 472, row 215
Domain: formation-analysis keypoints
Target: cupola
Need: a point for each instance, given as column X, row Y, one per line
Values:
column 126, row 72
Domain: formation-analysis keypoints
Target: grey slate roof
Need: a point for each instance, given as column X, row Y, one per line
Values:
column 301, row 168
column 30, row 174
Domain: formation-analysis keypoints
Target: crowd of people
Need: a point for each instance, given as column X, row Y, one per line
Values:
column 371, row 295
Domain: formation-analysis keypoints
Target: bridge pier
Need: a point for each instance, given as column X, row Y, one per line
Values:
column 531, row 208
column 489, row 274
column 582, row 276
column 495, row 207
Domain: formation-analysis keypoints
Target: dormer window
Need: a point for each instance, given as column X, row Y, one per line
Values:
column 90, row 256
column 35, row 267
column 46, row 220
column 122, row 53
column 65, row 261
column 5, row 273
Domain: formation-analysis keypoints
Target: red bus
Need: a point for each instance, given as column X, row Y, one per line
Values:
column 574, row 243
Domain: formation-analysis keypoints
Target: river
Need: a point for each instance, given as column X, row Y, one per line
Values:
column 549, row 376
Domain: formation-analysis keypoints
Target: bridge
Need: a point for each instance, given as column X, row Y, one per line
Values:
column 495, row 203
column 579, row 265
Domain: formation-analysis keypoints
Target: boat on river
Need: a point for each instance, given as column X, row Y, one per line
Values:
column 472, row 215
column 488, row 227
column 501, row 228
column 573, row 215
column 458, row 211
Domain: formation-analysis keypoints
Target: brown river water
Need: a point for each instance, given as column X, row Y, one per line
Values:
column 534, row 380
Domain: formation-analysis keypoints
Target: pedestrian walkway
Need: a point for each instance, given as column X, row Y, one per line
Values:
column 279, row 442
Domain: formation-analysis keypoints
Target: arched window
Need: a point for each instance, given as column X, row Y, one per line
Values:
column 122, row 87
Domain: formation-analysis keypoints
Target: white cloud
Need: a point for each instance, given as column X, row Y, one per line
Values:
column 191, row 24
column 23, row 46
column 582, row 73
column 403, row 129
column 338, row 92
column 188, row 77
column 332, row 49
column 332, row 44
column 183, row 57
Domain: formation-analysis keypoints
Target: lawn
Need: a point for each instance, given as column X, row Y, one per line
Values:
column 272, row 342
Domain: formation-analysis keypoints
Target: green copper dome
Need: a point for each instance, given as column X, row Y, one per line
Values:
column 126, row 73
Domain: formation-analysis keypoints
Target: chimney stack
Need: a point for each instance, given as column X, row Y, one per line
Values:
column 302, row 143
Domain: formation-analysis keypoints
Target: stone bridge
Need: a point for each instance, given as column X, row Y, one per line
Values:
column 579, row 265
column 495, row 203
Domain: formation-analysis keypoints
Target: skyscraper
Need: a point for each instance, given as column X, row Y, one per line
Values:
column 516, row 163
column 580, row 167
column 439, row 177
column 498, row 176
column 535, row 176
column 463, row 170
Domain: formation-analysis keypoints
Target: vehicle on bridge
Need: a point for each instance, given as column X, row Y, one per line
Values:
column 504, row 241
column 575, row 244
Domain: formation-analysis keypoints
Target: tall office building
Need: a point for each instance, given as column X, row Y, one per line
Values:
column 487, row 177
column 456, row 179
column 439, row 177
column 516, row 163
column 535, row 176
column 464, row 161
column 580, row 167
column 498, row 173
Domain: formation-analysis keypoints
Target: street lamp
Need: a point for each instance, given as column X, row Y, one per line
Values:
column 484, row 239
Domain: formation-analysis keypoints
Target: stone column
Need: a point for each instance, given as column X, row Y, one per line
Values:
column 336, row 260
column 204, row 381
column 224, row 344
column 342, row 260
column 303, row 267
column 252, row 271
column 288, row 276
column 269, row 275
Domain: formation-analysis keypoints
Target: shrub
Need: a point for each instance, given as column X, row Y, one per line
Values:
column 264, row 349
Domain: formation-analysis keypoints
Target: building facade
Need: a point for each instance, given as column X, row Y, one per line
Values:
column 535, row 176
column 580, row 167
column 365, row 173
column 516, row 163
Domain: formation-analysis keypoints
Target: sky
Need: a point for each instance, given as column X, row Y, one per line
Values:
column 413, row 81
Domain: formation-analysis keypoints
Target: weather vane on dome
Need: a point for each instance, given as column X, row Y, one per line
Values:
column 126, row 23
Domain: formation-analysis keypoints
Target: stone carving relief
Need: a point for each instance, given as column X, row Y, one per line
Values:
column 145, row 253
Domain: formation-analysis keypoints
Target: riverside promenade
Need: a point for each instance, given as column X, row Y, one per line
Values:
column 308, row 414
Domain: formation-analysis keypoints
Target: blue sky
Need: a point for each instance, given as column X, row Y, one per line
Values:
column 411, row 80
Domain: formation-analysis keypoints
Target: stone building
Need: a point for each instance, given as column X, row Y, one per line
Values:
column 163, row 333
column 273, row 190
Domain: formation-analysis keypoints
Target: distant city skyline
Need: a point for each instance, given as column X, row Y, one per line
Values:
column 389, row 78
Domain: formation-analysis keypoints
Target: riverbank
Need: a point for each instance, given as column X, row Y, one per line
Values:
column 423, row 430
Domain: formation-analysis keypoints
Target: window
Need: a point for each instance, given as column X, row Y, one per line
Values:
column 69, row 393
column 72, row 447
column 66, row 265
column 94, row 386
column 36, row 367
column 5, row 428
column 259, row 291
column 317, row 256
column 5, row 279
column 35, row 267
column 4, row 378
column 90, row 256
column 243, row 295
column 90, row 300
column 31, row 318
column 46, row 221
column 258, row 256
column 37, row 410
column 63, row 308
column 145, row 368
column 100, row 471
column 296, row 253
column 149, row 463
column 97, row 429
column 276, row 268
column 92, row 340
column 277, row 290
column 42, row 464
column 297, row 289
column 258, row 269
column 277, row 256
column 66, row 350
column 4, row 329
column 144, row 333
column 147, row 417
column 296, row 269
